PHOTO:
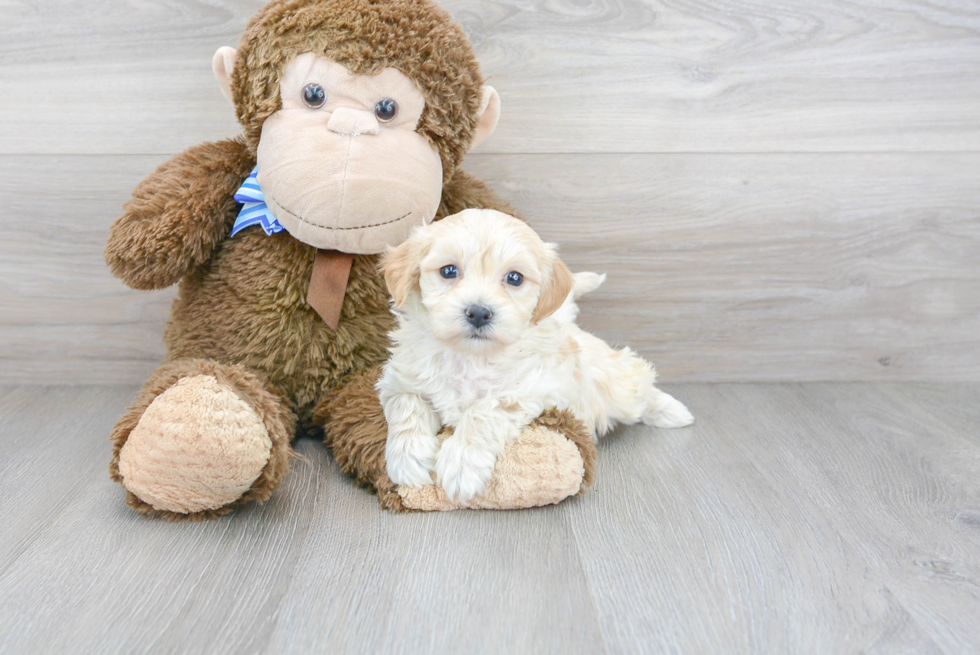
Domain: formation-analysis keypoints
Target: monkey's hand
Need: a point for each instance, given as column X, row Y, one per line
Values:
column 178, row 215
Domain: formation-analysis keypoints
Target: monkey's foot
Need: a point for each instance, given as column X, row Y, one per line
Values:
column 198, row 446
column 201, row 438
column 551, row 460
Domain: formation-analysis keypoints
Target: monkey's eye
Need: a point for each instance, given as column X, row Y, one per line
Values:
column 515, row 279
column 314, row 96
column 449, row 272
column 386, row 110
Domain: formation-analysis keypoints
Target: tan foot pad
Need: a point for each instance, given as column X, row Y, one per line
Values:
column 198, row 446
column 541, row 467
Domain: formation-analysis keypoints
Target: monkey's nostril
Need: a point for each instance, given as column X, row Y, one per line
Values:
column 478, row 315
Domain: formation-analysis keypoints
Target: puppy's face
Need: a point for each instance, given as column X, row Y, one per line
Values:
column 477, row 278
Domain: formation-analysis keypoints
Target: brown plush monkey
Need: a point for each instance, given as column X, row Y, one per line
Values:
column 356, row 116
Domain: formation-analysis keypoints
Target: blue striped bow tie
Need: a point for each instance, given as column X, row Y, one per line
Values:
column 254, row 210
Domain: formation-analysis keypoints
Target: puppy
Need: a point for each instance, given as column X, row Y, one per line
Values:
column 486, row 340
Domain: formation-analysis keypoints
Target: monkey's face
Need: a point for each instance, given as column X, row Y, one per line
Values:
column 341, row 164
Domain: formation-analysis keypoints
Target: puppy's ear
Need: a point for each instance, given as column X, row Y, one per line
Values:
column 401, row 269
column 556, row 288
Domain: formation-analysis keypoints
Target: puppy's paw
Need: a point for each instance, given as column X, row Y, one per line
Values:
column 410, row 459
column 667, row 412
column 463, row 469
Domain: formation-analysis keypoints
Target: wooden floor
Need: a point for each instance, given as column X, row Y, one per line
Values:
column 823, row 518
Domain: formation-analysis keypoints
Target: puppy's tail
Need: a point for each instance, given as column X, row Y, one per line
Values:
column 582, row 284
column 586, row 282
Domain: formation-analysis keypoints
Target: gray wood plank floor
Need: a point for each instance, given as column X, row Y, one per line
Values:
column 823, row 518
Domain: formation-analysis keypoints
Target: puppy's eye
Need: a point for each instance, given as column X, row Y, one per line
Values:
column 314, row 96
column 515, row 279
column 449, row 272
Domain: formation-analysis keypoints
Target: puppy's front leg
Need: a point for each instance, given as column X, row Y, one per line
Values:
column 466, row 460
column 410, row 451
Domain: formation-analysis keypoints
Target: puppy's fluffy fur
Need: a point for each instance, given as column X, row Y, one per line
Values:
column 489, row 378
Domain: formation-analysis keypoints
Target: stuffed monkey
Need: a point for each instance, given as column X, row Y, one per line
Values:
column 356, row 116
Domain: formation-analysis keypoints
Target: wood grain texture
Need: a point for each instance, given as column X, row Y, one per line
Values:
column 495, row 582
column 895, row 481
column 737, row 267
column 724, row 553
column 770, row 267
column 107, row 76
column 790, row 518
column 82, row 573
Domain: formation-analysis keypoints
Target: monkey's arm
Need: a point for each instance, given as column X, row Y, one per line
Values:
column 178, row 215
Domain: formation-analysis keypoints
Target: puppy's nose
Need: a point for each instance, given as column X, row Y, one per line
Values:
column 478, row 315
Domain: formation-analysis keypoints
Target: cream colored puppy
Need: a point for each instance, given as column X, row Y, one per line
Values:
column 486, row 340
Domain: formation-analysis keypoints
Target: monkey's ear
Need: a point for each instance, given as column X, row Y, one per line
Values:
column 401, row 269
column 554, row 291
column 222, row 65
column 489, row 115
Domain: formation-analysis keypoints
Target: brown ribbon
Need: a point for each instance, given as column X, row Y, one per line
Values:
column 331, row 270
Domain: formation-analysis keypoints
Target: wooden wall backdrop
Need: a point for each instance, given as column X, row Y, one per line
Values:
column 779, row 190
